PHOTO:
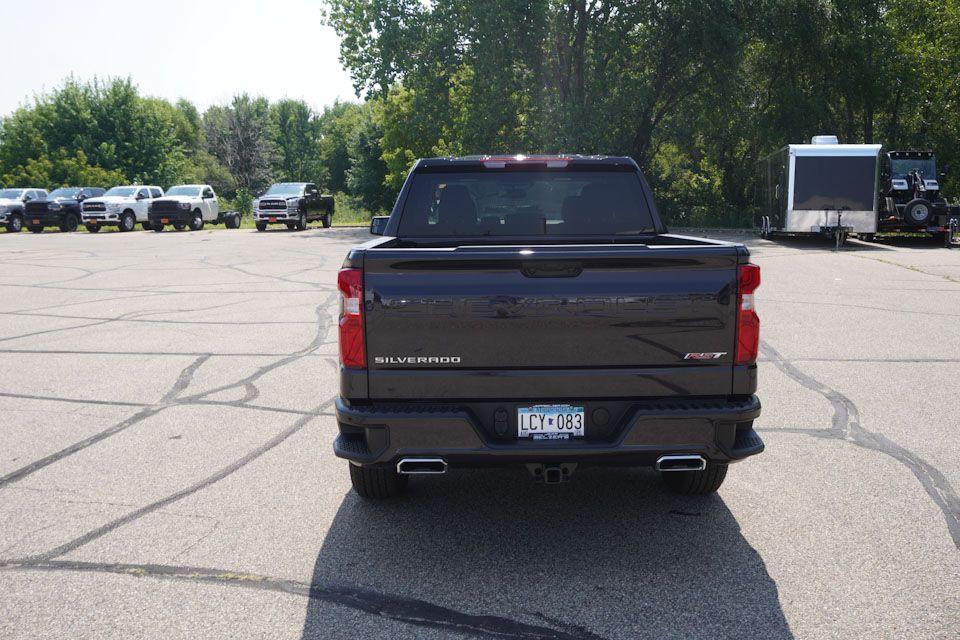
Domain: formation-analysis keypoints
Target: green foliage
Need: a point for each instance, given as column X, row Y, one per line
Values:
column 243, row 202
column 367, row 174
column 62, row 169
column 696, row 92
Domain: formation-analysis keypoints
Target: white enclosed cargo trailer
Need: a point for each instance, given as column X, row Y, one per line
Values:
column 822, row 188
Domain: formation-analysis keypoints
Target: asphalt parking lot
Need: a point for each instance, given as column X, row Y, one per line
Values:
column 166, row 465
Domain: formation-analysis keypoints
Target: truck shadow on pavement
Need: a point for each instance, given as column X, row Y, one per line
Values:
column 610, row 554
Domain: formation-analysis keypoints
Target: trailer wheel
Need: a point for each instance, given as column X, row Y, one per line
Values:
column 696, row 483
column 917, row 211
column 232, row 222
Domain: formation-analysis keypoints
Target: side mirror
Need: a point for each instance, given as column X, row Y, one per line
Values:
column 378, row 224
column 27, row 198
column 81, row 197
column 140, row 196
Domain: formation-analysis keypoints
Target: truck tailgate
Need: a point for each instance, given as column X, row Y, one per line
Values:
column 550, row 322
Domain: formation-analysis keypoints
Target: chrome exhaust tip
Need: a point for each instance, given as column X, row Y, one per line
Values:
column 421, row 466
column 681, row 463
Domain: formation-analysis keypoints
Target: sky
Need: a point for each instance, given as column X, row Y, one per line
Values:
column 203, row 50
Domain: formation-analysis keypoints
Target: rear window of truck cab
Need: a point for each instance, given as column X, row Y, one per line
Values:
column 525, row 203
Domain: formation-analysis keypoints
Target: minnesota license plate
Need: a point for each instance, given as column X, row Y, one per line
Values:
column 164, row 220
column 92, row 221
column 273, row 219
column 36, row 221
column 550, row 422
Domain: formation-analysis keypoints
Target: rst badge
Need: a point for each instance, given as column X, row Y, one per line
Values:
column 706, row 355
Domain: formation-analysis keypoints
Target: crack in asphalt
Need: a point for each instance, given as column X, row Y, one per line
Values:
column 412, row 611
column 169, row 398
column 220, row 474
column 910, row 267
column 846, row 427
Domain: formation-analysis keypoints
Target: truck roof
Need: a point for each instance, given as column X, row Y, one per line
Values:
column 499, row 161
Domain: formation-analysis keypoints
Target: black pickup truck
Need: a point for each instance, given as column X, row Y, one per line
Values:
column 60, row 209
column 534, row 311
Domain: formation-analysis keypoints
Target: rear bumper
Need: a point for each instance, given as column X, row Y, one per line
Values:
column 720, row 429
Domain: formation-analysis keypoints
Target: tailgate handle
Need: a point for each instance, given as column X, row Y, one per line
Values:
column 551, row 269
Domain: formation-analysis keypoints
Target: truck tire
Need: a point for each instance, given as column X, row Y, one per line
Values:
column 232, row 222
column 147, row 226
column 261, row 226
column 158, row 227
column 302, row 222
column 696, row 483
column 15, row 224
column 917, row 211
column 92, row 228
column 128, row 221
column 70, row 223
column 377, row 482
column 327, row 220
column 35, row 229
column 179, row 226
column 291, row 226
column 196, row 222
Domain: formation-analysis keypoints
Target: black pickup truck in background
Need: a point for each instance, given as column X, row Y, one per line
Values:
column 61, row 209
column 534, row 311
column 294, row 204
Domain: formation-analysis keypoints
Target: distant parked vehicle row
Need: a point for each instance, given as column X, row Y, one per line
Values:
column 186, row 206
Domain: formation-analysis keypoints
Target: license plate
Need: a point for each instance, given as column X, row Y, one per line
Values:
column 36, row 221
column 272, row 219
column 164, row 220
column 550, row 422
column 92, row 221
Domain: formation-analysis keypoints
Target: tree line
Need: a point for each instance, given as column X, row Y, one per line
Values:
column 103, row 133
column 697, row 91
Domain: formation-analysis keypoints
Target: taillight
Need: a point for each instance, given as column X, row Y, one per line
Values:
column 352, row 351
column 748, row 322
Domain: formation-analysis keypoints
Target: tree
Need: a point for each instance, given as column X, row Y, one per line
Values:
column 238, row 136
column 296, row 138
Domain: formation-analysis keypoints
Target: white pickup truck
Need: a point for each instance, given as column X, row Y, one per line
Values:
column 121, row 207
column 190, row 205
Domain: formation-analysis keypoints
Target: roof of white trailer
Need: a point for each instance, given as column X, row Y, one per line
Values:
column 835, row 149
